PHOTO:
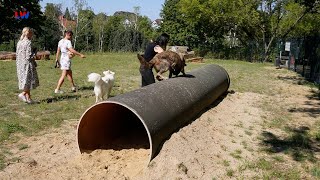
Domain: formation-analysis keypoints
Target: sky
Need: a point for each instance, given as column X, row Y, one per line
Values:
column 149, row 8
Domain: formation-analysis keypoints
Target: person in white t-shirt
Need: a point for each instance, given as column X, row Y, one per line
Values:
column 66, row 51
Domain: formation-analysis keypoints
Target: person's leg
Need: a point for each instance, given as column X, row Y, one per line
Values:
column 147, row 77
column 150, row 77
column 70, row 78
column 28, row 97
column 143, row 82
column 23, row 95
column 27, row 94
column 61, row 80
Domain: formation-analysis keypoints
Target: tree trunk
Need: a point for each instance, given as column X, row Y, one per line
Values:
column 101, row 39
column 267, row 49
column 87, row 43
column 76, row 34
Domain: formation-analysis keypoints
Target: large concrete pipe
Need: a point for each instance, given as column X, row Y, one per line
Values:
column 146, row 117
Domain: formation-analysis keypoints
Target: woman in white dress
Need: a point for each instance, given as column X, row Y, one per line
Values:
column 26, row 66
column 65, row 51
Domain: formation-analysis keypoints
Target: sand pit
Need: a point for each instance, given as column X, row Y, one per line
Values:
column 195, row 151
column 225, row 138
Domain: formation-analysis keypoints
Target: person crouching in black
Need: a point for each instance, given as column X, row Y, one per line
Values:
column 158, row 46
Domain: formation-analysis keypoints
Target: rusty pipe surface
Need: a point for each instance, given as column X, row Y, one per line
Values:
column 146, row 117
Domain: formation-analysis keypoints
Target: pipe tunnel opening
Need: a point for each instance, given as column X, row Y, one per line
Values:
column 110, row 125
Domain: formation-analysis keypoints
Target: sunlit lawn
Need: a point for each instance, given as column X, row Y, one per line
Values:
column 17, row 117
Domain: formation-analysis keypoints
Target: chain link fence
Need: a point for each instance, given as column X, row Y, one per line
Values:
column 303, row 56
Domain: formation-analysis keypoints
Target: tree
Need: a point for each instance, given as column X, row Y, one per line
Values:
column 49, row 40
column 78, row 6
column 181, row 32
column 122, row 32
column 10, row 27
column 84, row 31
column 53, row 11
column 99, row 30
column 67, row 14
column 113, row 27
column 51, row 27
column 259, row 21
column 144, row 26
column 283, row 17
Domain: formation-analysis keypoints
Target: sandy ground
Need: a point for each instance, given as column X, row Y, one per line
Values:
column 199, row 150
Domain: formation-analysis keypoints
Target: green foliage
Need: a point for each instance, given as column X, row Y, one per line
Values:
column 50, row 39
column 126, row 40
column 10, row 27
column 221, row 28
column 144, row 26
column 52, row 11
column 99, row 26
column 315, row 171
column 7, row 46
column 230, row 172
column 85, row 37
column 67, row 14
column 250, row 27
column 181, row 32
column 49, row 35
column 223, row 25
column 123, row 38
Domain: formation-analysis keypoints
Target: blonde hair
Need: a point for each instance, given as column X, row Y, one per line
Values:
column 25, row 32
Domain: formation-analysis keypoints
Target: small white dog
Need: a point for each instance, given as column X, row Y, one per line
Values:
column 109, row 79
column 103, row 85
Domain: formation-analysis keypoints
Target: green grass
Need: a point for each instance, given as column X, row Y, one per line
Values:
column 270, row 169
column 226, row 163
column 236, row 154
column 315, row 171
column 278, row 158
column 23, row 146
column 18, row 118
column 230, row 172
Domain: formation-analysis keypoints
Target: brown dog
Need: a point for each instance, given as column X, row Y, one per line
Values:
column 162, row 62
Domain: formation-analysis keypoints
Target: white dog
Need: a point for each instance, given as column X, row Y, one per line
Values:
column 103, row 85
column 109, row 79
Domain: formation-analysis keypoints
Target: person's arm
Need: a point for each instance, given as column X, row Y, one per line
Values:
column 58, row 53
column 158, row 49
column 28, row 51
column 70, row 48
column 76, row 52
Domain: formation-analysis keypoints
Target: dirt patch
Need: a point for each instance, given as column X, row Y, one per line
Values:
column 216, row 145
column 202, row 149
column 196, row 151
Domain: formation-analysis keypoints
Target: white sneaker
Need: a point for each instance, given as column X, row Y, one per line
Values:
column 58, row 91
column 74, row 89
column 22, row 97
